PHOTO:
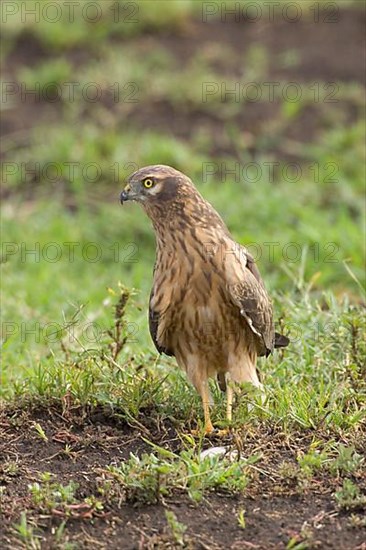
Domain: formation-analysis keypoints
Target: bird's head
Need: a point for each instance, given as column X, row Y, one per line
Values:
column 155, row 183
column 170, row 198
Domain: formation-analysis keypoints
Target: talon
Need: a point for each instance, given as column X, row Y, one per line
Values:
column 208, row 430
column 223, row 433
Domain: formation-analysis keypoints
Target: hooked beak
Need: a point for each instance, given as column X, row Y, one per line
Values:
column 125, row 195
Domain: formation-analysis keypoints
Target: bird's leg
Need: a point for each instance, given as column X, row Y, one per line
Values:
column 229, row 405
column 205, row 395
column 206, row 408
column 203, row 390
column 229, row 400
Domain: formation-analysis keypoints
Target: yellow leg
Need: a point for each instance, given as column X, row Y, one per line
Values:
column 229, row 401
column 206, row 409
column 205, row 396
column 209, row 429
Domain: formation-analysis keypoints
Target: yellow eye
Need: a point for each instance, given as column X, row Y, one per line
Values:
column 148, row 182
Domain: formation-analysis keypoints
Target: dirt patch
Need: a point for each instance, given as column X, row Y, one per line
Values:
column 262, row 124
column 81, row 444
column 323, row 52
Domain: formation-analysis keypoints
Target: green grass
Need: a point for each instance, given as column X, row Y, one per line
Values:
column 106, row 20
column 152, row 477
column 319, row 383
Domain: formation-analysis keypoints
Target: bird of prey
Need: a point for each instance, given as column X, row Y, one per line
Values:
column 208, row 305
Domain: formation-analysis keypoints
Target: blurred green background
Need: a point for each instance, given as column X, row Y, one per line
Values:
column 265, row 115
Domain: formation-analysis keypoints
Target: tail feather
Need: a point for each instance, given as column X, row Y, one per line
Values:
column 281, row 341
column 221, row 381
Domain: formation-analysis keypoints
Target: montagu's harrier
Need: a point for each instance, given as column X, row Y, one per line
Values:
column 208, row 305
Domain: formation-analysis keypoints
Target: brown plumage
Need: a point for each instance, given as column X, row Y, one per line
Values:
column 208, row 305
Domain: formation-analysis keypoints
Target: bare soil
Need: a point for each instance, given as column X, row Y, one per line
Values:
column 277, row 508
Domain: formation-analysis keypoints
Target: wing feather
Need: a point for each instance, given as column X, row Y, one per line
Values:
column 250, row 295
column 154, row 328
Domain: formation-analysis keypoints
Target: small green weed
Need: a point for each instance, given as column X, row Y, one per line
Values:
column 25, row 530
column 350, row 497
column 177, row 529
column 48, row 495
column 241, row 519
column 151, row 478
